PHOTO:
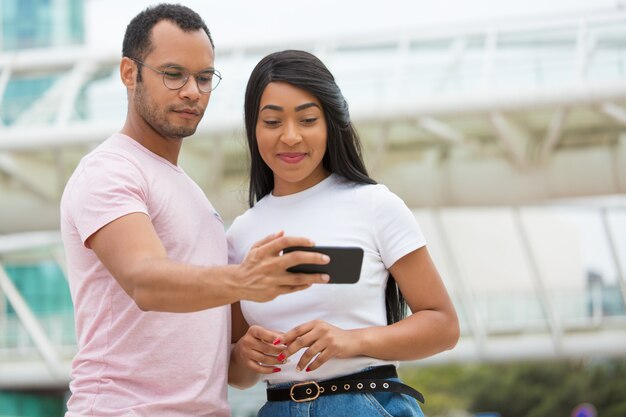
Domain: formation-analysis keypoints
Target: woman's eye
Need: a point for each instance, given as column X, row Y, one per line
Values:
column 309, row 120
column 271, row 123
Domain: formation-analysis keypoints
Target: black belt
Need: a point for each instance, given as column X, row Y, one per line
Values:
column 373, row 380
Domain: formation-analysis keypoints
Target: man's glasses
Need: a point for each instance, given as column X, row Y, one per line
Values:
column 175, row 78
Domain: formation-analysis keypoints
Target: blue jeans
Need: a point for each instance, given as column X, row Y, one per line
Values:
column 386, row 404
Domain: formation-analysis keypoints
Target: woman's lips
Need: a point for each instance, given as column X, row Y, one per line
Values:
column 291, row 158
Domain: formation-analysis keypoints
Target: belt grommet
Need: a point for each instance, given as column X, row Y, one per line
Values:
column 346, row 387
column 386, row 385
column 359, row 385
column 333, row 388
column 373, row 385
column 309, row 391
column 321, row 390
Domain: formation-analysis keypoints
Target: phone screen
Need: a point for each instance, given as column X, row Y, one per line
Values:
column 344, row 266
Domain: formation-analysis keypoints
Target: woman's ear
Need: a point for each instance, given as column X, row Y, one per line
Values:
column 128, row 72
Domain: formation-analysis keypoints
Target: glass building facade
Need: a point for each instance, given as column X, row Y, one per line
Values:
column 35, row 24
column 41, row 23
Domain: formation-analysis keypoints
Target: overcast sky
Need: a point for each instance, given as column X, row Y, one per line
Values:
column 237, row 21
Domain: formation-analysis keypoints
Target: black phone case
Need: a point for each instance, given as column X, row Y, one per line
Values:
column 344, row 266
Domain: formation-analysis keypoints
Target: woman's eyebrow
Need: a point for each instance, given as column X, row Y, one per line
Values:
column 272, row 107
column 297, row 108
column 306, row 106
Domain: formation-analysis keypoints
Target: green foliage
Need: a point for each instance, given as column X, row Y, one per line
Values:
column 527, row 389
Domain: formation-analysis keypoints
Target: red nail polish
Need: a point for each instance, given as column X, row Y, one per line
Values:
column 276, row 341
column 308, row 369
column 281, row 357
column 275, row 370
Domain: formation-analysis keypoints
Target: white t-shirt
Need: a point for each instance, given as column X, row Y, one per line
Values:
column 334, row 212
column 131, row 362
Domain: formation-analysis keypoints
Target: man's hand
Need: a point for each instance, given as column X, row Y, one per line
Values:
column 263, row 273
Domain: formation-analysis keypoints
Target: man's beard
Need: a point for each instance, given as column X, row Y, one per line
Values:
column 156, row 117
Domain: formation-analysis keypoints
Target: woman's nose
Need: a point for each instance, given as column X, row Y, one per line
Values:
column 291, row 136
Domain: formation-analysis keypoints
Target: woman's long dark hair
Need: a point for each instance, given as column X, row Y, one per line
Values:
column 343, row 147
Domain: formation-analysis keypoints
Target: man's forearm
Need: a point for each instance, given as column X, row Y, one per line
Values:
column 165, row 285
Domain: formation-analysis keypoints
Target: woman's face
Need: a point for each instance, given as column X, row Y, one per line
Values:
column 291, row 136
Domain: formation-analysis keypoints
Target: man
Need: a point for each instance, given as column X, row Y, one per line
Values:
column 143, row 243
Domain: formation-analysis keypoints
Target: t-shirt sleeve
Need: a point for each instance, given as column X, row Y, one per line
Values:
column 234, row 251
column 397, row 230
column 109, row 186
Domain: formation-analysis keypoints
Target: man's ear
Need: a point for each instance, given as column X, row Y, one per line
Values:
column 128, row 72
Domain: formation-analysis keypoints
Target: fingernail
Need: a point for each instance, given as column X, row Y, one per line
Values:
column 308, row 369
column 325, row 277
column 325, row 258
column 275, row 370
column 276, row 341
column 281, row 357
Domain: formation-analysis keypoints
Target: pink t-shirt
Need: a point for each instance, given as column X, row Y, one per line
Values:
column 130, row 362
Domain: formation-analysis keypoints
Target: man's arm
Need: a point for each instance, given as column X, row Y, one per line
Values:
column 131, row 250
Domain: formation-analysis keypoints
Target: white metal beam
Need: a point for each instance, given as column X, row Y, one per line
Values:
column 489, row 57
column 466, row 297
column 586, row 47
column 615, row 112
column 513, row 138
column 16, row 242
column 553, row 135
column 442, row 130
column 32, row 326
column 31, row 138
column 73, row 84
column 621, row 277
column 539, row 283
column 42, row 111
column 592, row 342
column 5, row 76
column 379, row 149
column 10, row 168
column 457, row 52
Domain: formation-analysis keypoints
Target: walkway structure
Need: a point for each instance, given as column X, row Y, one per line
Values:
column 483, row 130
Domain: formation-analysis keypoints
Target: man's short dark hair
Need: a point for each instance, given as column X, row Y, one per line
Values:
column 137, row 39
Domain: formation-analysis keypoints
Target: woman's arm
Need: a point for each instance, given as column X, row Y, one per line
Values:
column 252, row 347
column 433, row 327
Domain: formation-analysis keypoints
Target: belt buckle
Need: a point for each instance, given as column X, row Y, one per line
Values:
column 309, row 391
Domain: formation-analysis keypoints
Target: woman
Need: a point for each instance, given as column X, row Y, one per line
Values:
column 331, row 349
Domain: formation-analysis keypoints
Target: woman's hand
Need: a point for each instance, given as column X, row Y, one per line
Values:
column 323, row 340
column 258, row 349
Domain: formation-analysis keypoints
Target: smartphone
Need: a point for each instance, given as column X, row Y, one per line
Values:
column 344, row 266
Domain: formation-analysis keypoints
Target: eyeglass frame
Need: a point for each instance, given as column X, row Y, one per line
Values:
column 184, row 70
